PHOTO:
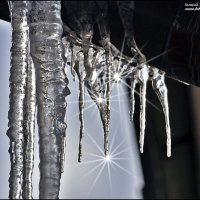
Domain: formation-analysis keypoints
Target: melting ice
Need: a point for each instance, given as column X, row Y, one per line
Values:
column 103, row 75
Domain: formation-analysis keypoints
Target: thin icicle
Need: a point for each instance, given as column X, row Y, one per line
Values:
column 62, row 153
column 143, row 78
column 102, row 105
column 81, row 115
column 105, row 39
column 108, row 96
column 29, row 127
column 18, row 10
column 132, row 100
column 86, row 34
column 29, row 130
column 99, row 91
column 159, row 86
column 72, row 62
column 81, row 75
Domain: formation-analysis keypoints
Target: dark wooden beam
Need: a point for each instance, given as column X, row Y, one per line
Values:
column 4, row 11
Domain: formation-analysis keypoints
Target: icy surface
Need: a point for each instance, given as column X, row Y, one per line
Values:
column 51, row 88
column 158, row 84
column 97, row 69
column 18, row 75
column 29, row 129
column 132, row 99
column 81, row 74
column 107, row 69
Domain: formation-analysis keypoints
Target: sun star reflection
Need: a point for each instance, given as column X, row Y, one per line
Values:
column 117, row 77
column 108, row 158
column 100, row 100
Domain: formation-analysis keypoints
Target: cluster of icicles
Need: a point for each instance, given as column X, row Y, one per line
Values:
column 102, row 72
column 39, row 55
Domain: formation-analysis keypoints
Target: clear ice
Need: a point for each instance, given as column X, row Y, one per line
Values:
column 38, row 57
column 143, row 78
column 51, row 89
column 103, row 69
column 29, row 129
column 160, row 88
column 132, row 99
column 81, row 75
column 18, row 77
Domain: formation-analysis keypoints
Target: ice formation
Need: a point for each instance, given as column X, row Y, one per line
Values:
column 51, row 89
column 18, row 80
column 121, row 67
column 39, row 54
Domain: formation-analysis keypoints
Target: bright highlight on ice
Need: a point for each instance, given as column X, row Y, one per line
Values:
column 117, row 77
column 100, row 100
column 112, row 68
column 98, row 67
column 108, row 158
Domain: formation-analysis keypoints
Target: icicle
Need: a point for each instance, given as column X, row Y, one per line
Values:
column 100, row 93
column 143, row 78
column 108, row 97
column 18, row 10
column 81, row 75
column 29, row 130
column 102, row 63
column 158, row 84
column 102, row 105
column 81, row 115
column 62, row 153
column 72, row 61
column 132, row 101
column 47, row 53
column 105, row 39
column 80, row 61
column 108, row 94
column 87, row 34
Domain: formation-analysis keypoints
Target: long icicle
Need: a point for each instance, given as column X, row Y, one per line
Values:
column 81, row 104
column 18, row 10
column 29, row 126
column 47, row 53
column 159, row 86
column 105, row 39
column 143, row 77
column 86, row 33
column 126, row 12
column 81, row 116
column 132, row 99
column 29, row 130
column 108, row 96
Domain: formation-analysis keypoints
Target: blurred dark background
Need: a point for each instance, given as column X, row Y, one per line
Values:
column 165, row 26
